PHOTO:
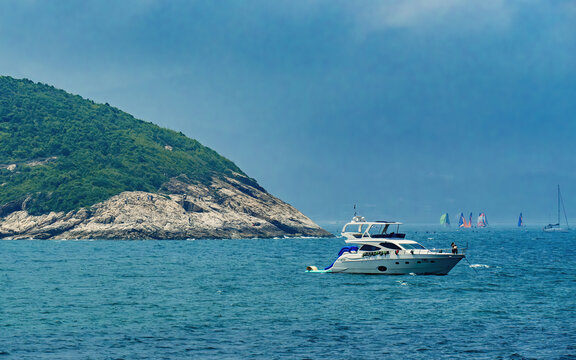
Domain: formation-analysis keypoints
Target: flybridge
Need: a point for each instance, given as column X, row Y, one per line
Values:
column 361, row 219
column 370, row 229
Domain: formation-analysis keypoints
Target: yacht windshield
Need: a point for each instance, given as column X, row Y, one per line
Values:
column 378, row 229
column 412, row 246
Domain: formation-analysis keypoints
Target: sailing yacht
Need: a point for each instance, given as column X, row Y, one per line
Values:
column 482, row 220
column 463, row 223
column 445, row 220
column 558, row 227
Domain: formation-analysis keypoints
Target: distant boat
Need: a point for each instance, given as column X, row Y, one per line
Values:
column 557, row 227
column 520, row 221
column 482, row 220
column 445, row 219
column 462, row 221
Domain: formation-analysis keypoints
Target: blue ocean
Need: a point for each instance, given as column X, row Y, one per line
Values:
column 514, row 297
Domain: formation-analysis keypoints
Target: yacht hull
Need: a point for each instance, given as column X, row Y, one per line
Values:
column 564, row 230
column 439, row 264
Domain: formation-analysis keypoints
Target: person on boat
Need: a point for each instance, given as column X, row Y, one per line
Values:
column 454, row 248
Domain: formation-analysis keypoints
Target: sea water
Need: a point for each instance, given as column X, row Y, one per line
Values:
column 512, row 298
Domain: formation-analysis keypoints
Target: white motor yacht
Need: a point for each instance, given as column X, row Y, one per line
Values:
column 375, row 250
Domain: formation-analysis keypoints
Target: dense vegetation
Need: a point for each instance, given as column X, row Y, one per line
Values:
column 87, row 152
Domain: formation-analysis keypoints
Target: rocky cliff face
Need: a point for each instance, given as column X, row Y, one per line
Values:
column 227, row 208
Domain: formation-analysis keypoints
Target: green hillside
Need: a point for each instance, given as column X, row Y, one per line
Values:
column 70, row 152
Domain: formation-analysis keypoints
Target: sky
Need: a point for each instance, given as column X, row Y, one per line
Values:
column 407, row 109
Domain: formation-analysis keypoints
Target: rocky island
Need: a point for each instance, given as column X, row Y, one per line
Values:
column 74, row 169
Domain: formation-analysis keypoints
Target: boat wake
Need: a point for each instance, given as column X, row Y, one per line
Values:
column 476, row 266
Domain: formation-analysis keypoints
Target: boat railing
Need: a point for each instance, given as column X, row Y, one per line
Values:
column 358, row 235
column 411, row 252
column 447, row 251
column 386, row 236
column 428, row 251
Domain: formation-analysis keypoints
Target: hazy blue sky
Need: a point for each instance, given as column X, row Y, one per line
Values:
column 406, row 108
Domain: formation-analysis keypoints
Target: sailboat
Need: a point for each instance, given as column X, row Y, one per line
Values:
column 520, row 221
column 482, row 220
column 462, row 221
column 445, row 220
column 557, row 227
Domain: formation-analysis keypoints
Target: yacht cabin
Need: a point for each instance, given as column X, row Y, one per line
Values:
column 378, row 235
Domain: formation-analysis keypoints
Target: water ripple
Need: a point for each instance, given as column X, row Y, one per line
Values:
column 189, row 299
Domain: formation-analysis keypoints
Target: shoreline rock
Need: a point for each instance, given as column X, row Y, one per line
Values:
column 228, row 208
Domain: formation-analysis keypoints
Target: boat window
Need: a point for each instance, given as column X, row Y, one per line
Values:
column 358, row 228
column 412, row 246
column 389, row 245
column 367, row 247
column 351, row 228
column 378, row 229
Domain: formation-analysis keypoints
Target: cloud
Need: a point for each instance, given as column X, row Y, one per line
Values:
column 462, row 15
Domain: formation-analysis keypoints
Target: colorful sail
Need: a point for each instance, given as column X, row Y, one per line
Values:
column 445, row 219
column 482, row 221
column 520, row 221
column 462, row 221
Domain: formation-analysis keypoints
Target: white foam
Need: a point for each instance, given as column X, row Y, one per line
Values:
column 479, row 266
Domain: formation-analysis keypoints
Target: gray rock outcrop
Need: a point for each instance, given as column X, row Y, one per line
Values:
column 227, row 208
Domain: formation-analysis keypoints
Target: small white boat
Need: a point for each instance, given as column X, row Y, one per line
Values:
column 375, row 250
